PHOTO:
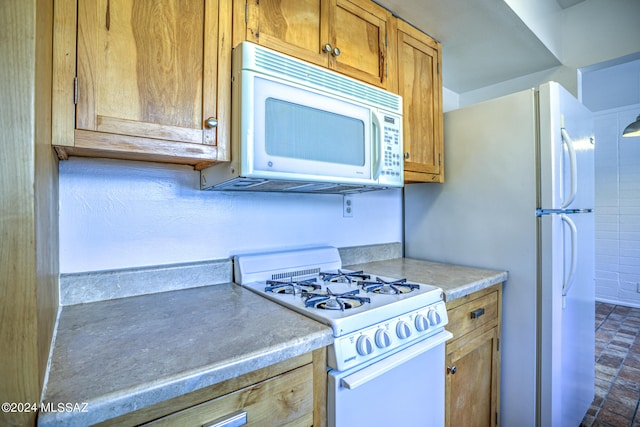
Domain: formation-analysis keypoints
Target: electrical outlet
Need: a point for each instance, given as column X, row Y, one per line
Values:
column 347, row 206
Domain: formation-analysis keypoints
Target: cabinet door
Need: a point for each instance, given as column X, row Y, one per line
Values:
column 296, row 27
column 420, row 84
column 147, row 79
column 471, row 381
column 359, row 32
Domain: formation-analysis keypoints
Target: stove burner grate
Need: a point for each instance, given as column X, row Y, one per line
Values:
column 383, row 287
column 331, row 301
column 344, row 277
column 291, row 287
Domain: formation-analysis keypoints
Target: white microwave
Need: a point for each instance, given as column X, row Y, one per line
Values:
column 299, row 127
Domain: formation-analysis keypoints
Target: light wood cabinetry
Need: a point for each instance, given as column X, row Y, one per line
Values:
column 28, row 207
column 142, row 80
column 473, row 359
column 420, row 85
column 348, row 36
column 292, row 393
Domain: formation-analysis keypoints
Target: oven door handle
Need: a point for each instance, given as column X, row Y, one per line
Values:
column 373, row 371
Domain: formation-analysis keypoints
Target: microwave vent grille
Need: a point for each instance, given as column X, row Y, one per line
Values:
column 313, row 76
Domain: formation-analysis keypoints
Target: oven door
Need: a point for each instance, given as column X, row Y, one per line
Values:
column 405, row 388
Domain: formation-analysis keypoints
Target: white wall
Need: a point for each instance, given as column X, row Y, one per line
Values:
column 617, row 208
column 612, row 91
column 119, row 214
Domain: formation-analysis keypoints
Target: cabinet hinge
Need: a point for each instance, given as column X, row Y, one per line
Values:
column 497, row 418
column 386, row 40
column 75, row 91
column 439, row 65
column 498, row 344
column 439, row 159
column 246, row 12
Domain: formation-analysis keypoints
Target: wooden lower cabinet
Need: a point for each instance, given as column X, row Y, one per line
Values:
column 472, row 387
column 291, row 393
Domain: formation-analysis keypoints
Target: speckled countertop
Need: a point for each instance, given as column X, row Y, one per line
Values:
column 456, row 281
column 120, row 355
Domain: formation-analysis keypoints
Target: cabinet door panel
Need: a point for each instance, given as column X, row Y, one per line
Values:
column 141, row 68
column 420, row 84
column 296, row 27
column 360, row 34
column 471, row 392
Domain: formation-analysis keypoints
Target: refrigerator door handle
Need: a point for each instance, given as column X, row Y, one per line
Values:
column 574, row 254
column 572, row 167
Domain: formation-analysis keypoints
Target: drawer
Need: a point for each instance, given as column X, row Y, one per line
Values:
column 283, row 400
column 473, row 314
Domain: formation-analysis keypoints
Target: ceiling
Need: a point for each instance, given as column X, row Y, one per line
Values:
column 484, row 42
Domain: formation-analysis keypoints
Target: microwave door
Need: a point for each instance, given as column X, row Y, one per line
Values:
column 302, row 134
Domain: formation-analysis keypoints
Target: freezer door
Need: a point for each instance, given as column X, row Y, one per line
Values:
column 566, row 150
column 567, row 318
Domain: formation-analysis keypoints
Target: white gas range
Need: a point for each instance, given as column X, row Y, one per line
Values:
column 385, row 330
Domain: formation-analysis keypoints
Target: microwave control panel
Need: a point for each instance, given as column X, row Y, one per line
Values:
column 392, row 161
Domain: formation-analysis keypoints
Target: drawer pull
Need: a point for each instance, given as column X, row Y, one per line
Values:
column 236, row 419
column 477, row 313
column 452, row 369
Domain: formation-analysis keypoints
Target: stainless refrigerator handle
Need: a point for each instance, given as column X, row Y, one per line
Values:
column 574, row 255
column 573, row 168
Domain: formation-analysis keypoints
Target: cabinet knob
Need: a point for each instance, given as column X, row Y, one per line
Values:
column 327, row 48
column 211, row 122
column 452, row 369
column 406, row 155
column 336, row 51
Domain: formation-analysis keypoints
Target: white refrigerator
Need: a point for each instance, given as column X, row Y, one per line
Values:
column 518, row 196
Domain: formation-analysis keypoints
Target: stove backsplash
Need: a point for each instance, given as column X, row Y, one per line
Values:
column 92, row 286
column 120, row 215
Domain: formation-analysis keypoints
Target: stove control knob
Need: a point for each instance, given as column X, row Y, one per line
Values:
column 403, row 330
column 364, row 346
column 383, row 339
column 434, row 317
column 422, row 324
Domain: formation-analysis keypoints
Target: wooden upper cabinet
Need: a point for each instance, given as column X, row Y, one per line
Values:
column 348, row 36
column 151, row 81
column 420, row 85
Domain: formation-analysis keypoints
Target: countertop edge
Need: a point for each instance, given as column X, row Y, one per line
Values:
column 469, row 288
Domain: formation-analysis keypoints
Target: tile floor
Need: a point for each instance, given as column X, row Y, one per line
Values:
column 617, row 357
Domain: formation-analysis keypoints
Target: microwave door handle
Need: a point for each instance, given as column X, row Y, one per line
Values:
column 377, row 145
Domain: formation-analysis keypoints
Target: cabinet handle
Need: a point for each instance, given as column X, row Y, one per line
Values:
column 235, row 419
column 477, row 313
column 406, row 155
column 336, row 51
column 452, row 369
column 327, row 48
column 211, row 122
